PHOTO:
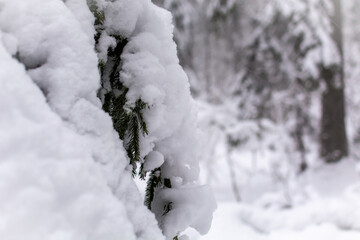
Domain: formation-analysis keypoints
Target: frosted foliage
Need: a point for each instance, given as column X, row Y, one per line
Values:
column 189, row 207
column 310, row 20
column 352, row 70
column 161, row 82
column 318, row 25
column 62, row 167
column 151, row 72
column 121, row 16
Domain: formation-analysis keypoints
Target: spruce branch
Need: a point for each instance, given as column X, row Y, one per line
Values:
column 153, row 182
column 128, row 121
column 167, row 208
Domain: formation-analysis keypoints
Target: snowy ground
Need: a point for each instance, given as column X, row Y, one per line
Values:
column 331, row 211
column 228, row 225
column 277, row 203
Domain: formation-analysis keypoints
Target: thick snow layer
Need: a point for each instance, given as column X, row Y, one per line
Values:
column 50, row 188
column 184, row 202
column 62, row 168
column 162, row 83
column 150, row 70
column 153, row 160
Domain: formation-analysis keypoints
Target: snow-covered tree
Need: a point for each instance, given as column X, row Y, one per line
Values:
column 299, row 44
column 64, row 64
column 352, row 68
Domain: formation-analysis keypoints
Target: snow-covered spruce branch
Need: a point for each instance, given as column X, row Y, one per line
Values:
column 146, row 93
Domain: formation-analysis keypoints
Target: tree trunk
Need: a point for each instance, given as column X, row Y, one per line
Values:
column 234, row 184
column 333, row 136
column 333, row 132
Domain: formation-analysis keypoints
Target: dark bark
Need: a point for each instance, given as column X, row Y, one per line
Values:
column 298, row 135
column 333, row 136
column 333, row 132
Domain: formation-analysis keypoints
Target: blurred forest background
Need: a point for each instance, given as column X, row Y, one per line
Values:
column 276, row 83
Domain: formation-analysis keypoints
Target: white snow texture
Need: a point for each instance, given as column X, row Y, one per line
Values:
column 63, row 170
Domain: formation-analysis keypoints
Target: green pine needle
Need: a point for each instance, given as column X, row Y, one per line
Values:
column 153, row 182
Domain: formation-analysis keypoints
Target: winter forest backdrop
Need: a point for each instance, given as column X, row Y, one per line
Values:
column 212, row 119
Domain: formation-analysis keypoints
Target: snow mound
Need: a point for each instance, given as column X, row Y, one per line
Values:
column 62, row 168
column 326, row 200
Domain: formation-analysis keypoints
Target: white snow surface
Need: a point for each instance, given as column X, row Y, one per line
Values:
column 325, row 206
column 153, row 160
column 62, row 169
column 185, row 202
